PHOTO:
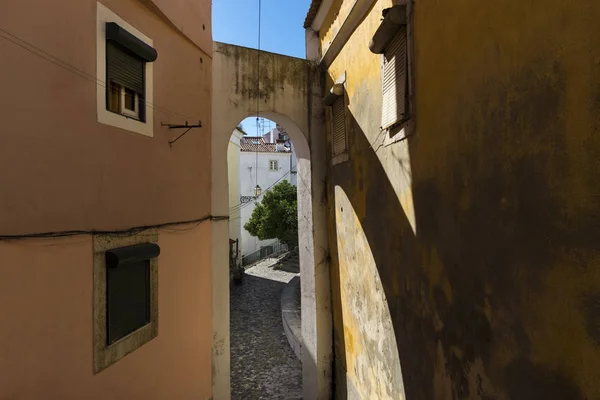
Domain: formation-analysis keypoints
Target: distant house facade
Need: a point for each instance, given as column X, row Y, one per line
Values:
column 105, row 219
column 262, row 163
column 233, row 159
column 280, row 135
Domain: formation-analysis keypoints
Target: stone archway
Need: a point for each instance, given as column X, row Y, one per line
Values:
column 289, row 94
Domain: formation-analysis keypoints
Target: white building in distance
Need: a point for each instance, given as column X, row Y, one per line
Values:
column 233, row 158
column 264, row 161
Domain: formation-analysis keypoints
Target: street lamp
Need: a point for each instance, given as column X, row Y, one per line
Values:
column 257, row 191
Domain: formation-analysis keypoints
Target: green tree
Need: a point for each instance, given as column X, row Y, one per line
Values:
column 276, row 215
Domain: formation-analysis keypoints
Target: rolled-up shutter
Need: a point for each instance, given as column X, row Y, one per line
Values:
column 339, row 141
column 394, row 80
column 124, row 68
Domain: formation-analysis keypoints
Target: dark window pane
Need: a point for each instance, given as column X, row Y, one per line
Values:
column 129, row 99
column 114, row 97
column 127, row 299
column 124, row 67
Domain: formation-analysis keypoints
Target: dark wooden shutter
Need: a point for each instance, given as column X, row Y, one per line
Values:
column 394, row 81
column 124, row 68
column 127, row 299
column 339, row 140
column 128, row 289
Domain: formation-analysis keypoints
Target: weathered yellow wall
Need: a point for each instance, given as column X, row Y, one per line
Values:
column 334, row 20
column 373, row 364
column 483, row 226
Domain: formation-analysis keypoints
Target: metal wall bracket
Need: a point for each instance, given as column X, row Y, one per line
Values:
column 186, row 127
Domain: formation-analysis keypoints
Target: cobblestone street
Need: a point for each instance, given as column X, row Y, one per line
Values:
column 263, row 365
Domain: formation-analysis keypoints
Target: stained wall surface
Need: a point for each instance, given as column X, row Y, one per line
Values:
column 286, row 90
column 474, row 238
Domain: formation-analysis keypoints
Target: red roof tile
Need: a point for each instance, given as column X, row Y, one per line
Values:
column 312, row 13
column 256, row 144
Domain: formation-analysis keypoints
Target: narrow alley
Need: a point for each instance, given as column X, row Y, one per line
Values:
column 263, row 365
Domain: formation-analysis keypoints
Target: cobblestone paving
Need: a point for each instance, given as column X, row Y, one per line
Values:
column 263, row 365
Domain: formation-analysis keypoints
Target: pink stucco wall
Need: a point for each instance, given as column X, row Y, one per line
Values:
column 46, row 323
column 62, row 170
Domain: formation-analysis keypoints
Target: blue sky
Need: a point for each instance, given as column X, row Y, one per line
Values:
column 236, row 22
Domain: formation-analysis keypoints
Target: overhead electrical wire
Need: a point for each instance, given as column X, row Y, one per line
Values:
column 257, row 100
column 4, row 34
column 239, row 206
column 249, row 203
column 124, row 232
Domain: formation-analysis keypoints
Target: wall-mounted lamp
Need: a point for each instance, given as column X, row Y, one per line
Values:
column 257, row 191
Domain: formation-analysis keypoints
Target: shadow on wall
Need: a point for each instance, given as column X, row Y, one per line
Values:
column 392, row 247
column 489, row 230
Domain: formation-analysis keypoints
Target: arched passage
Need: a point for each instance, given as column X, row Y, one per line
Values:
column 289, row 93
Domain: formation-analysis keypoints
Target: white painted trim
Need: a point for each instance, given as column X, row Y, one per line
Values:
column 104, row 15
column 321, row 14
column 135, row 113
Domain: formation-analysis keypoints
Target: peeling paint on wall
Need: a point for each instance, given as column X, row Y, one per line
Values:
column 371, row 351
column 483, row 226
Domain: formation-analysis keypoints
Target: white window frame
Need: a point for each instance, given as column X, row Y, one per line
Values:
column 135, row 113
column 406, row 127
column 406, row 115
column 273, row 165
column 124, row 120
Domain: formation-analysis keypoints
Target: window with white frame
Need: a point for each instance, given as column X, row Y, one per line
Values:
column 394, row 83
column 273, row 165
column 125, row 58
column 125, row 282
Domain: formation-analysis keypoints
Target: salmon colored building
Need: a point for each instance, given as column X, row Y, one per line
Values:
column 105, row 225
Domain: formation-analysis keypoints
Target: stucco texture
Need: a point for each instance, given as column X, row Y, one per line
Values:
column 62, row 170
column 46, row 317
column 65, row 171
column 481, row 227
column 289, row 93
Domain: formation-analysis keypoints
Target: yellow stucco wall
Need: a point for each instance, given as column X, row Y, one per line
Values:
column 333, row 21
column 481, row 228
